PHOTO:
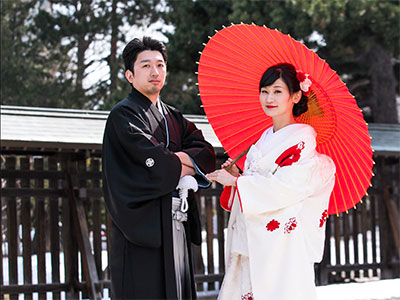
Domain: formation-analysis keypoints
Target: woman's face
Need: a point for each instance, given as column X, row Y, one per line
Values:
column 276, row 100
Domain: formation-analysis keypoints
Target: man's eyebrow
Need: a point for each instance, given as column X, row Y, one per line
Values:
column 148, row 60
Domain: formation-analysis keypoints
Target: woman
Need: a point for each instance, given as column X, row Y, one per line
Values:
column 279, row 204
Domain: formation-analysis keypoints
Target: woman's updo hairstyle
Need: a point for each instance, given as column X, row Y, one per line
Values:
column 287, row 73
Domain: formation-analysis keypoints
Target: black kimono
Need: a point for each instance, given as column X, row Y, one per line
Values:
column 139, row 175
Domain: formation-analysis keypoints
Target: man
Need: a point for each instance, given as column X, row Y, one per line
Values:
column 148, row 146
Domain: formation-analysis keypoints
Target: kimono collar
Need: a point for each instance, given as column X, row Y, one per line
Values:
column 146, row 103
column 156, row 119
column 135, row 95
column 272, row 144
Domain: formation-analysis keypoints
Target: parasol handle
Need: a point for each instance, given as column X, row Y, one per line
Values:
column 237, row 158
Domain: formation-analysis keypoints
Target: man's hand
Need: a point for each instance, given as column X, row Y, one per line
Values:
column 185, row 159
column 187, row 171
column 187, row 165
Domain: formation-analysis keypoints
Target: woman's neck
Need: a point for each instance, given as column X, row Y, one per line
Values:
column 279, row 123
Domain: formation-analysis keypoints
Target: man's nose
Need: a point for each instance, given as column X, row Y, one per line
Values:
column 154, row 71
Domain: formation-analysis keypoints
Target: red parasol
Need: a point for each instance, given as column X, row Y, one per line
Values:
column 230, row 68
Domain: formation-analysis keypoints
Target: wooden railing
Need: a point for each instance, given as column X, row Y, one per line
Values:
column 55, row 229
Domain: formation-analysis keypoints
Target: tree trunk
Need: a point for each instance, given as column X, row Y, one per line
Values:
column 384, row 108
column 113, row 56
column 80, row 72
column 83, row 45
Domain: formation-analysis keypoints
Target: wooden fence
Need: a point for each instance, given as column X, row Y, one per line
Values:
column 55, row 229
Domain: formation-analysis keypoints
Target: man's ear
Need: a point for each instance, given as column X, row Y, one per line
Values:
column 129, row 76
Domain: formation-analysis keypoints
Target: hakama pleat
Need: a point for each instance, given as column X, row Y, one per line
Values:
column 181, row 255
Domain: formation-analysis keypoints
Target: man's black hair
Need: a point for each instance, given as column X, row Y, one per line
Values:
column 134, row 47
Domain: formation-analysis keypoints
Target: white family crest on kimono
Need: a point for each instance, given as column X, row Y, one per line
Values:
column 278, row 214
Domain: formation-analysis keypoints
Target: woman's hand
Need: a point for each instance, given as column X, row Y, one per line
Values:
column 223, row 177
column 231, row 168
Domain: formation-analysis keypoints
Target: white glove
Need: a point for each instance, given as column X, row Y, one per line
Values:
column 185, row 184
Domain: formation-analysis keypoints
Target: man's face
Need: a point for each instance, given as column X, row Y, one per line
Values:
column 149, row 73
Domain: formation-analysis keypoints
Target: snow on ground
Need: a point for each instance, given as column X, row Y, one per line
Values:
column 371, row 290
column 388, row 289
column 375, row 289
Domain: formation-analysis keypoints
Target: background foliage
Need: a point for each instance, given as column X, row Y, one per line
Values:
column 51, row 48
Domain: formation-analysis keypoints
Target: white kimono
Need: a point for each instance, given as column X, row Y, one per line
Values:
column 276, row 230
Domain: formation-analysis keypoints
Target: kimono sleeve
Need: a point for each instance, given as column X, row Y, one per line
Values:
column 194, row 144
column 289, row 185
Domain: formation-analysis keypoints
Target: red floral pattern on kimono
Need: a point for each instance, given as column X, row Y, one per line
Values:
column 289, row 156
column 248, row 296
column 272, row 225
column 291, row 225
column 323, row 218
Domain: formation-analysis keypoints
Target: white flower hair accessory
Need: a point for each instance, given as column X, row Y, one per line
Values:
column 305, row 82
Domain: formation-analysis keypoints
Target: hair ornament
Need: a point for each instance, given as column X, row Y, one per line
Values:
column 305, row 82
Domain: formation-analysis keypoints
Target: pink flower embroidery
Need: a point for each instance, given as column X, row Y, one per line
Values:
column 248, row 296
column 323, row 218
column 272, row 225
column 291, row 225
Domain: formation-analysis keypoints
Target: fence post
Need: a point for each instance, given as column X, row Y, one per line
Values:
column 69, row 243
column 26, row 227
column 393, row 222
column 81, row 228
column 54, row 227
column 12, row 230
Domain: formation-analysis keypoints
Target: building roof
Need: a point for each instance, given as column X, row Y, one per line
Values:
column 29, row 127
column 66, row 128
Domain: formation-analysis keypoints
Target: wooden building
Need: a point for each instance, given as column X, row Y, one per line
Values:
column 54, row 226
